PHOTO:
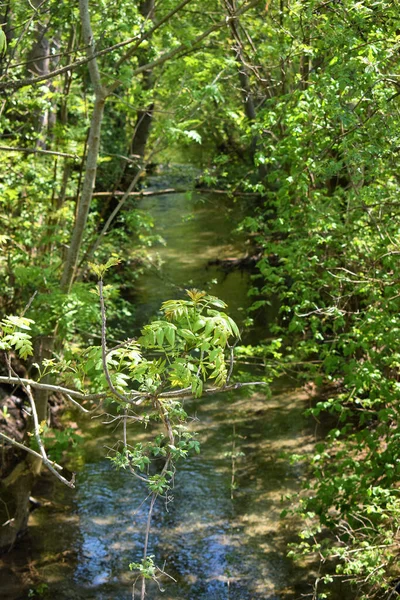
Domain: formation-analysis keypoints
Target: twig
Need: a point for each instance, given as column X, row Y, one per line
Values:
column 104, row 346
column 148, row 525
column 82, row 408
column 118, row 418
column 231, row 359
column 45, row 460
column 27, row 307
column 27, row 449
column 124, row 428
column 187, row 393
column 114, row 213
column 51, row 388
column 233, row 460
column 121, row 345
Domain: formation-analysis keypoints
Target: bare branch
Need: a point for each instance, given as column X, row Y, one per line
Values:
column 46, row 461
column 29, row 450
column 51, row 388
column 75, row 403
column 38, row 151
column 114, row 213
column 187, row 392
column 121, row 345
column 231, row 360
column 29, row 303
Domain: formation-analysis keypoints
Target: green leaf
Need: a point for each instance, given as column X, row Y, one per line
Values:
column 21, row 322
column 160, row 337
column 193, row 135
column 170, row 335
column 3, row 43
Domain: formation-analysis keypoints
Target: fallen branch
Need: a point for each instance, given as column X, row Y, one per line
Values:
column 146, row 193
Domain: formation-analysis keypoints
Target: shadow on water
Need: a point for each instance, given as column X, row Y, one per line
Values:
column 217, row 544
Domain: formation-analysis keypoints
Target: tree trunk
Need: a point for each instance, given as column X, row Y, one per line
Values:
column 243, row 73
column 15, row 486
column 89, row 181
column 39, row 64
column 145, row 116
column 86, row 195
column 15, row 491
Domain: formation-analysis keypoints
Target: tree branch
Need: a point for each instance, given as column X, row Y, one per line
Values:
column 150, row 32
column 29, row 450
column 45, row 460
column 114, row 213
column 184, row 48
column 51, row 388
column 104, row 346
column 90, row 47
column 187, row 393
column 15, row 85
column 38, row 151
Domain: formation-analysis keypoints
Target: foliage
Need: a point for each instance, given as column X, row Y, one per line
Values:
column 327, row 223
column 60, row 442
column 13, row 339
column 187, row 350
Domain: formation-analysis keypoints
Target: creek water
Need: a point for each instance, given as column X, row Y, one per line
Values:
column 217, row 542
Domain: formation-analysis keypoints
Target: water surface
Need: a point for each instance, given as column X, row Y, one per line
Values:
column 218, row 543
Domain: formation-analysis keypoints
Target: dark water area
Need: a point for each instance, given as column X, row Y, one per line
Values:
column 218, row 541
column 197, row 229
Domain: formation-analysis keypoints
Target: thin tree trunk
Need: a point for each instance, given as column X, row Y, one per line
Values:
column 245, row 85
column 92, row 155
column 144, row 117
column 86, row 195
column 39, row 64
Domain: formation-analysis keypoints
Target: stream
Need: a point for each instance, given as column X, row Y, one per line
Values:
column 217, row 543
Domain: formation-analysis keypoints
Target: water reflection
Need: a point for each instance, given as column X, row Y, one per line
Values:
column 196, row 229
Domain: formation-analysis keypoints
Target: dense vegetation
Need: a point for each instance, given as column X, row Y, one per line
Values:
column 296, row 102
